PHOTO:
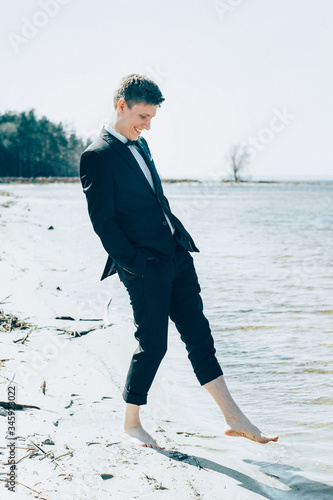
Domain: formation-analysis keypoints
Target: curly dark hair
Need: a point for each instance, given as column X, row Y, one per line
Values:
column 137, row 89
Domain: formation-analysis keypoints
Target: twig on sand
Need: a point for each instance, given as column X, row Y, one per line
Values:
column 29, row 455
column 69, row 318
column 21, row 341
column 43, row 386
column 7, row 405
column 32, row 452
column 21, row 484
column 76, row 333
column 63, row 455
column 45, row 453
column 3, row 300
column 91, row 319
column 36, row 445
column 10, row 380
column 9, row 322
column 84, row 332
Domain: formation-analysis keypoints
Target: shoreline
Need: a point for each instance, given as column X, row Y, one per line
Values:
column 73, row 370
column 76, row 180
column 73, row 438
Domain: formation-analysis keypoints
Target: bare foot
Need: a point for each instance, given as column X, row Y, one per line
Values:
column 240, row 426
column 237, row 424
column 140, row 437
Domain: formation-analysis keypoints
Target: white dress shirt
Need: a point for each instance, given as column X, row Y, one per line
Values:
column 141, row 162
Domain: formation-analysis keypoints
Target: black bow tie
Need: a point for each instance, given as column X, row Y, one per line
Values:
column 143, row 154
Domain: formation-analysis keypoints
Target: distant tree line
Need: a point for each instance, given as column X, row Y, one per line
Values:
column 36, row 147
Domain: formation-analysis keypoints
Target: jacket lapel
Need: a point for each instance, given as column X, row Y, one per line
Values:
column 127, row 155
column 151, row 165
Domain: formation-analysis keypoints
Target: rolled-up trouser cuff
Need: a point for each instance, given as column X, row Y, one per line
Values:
column 134, row 399
column 209, row 374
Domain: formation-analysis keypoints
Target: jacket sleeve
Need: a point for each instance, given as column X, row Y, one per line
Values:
column 97, row 183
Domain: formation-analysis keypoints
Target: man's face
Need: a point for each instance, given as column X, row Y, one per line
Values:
column 131, row 121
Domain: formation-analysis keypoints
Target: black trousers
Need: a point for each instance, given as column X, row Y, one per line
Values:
column 169, row 288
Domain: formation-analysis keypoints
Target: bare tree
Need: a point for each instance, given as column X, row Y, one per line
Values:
column 239, row 157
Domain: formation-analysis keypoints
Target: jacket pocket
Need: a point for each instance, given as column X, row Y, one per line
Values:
column 127, row 275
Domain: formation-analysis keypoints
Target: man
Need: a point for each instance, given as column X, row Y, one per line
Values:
column 150, row 249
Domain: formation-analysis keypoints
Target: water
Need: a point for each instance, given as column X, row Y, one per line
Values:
column 265, row 269
column 266, row 272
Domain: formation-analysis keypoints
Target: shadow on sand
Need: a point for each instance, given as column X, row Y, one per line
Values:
column 300, row 486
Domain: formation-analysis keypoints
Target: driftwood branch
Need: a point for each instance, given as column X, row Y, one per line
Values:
column 16, row 406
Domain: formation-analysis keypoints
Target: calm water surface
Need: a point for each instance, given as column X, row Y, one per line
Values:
column 266, row 272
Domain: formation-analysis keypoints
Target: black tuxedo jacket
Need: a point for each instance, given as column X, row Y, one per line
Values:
column 125, row 212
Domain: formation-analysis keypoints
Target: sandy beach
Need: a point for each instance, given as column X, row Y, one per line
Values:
column 73, row 369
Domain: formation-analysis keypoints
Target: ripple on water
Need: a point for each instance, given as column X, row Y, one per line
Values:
column 320, row 401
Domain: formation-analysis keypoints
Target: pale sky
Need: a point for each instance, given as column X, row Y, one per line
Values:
column 232, row 71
